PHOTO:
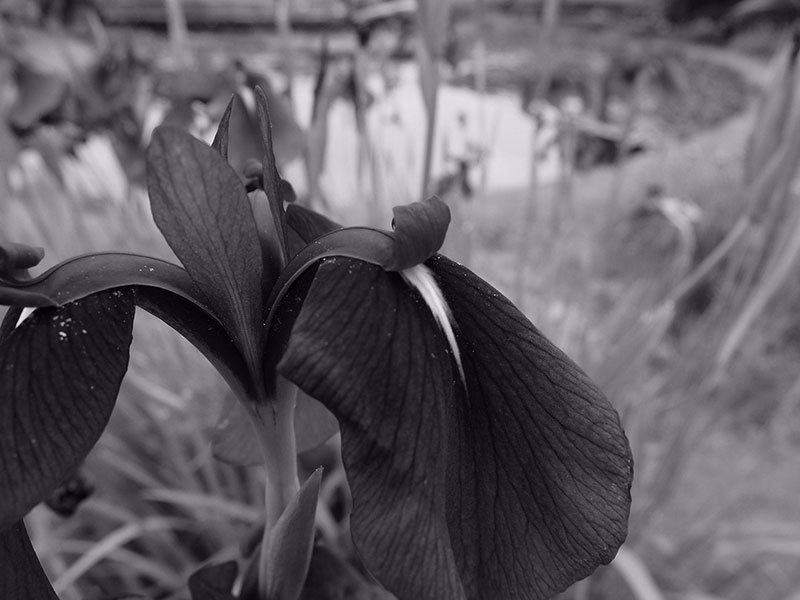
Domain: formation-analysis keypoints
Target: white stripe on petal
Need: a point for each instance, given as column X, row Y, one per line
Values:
column 421, row 279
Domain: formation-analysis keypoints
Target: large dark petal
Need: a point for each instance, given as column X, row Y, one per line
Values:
column 201, row 207
column 366, row 346
column 21, row 574
column 61, row 372
column 513, row 489
column 540, row 470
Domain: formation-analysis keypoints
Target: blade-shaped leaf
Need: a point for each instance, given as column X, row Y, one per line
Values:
column 514, row 488
column 40, row 94
column 290, row 543
column 277, row 216
column 369, row 350
column 21, row 574
column 201, row 207
column 540, row 469
column 61, row 372
column 214, row 582
column 222, row 137
column 84, row 275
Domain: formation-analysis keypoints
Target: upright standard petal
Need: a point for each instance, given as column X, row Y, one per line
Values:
column 201, row 207
column 21, row 574
column 365, row 345
column 61, row 372
column 539, row 468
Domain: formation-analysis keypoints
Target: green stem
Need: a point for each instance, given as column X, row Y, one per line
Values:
column 275, row 424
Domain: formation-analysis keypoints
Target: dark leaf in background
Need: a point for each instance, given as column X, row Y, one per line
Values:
column 368, row 348
column 39, row 95
column 539, row 468
column 214, row 582
column 62, row 368
column 201, row 207
column 21, row 574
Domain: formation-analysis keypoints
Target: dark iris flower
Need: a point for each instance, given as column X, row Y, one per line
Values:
column 483, row 463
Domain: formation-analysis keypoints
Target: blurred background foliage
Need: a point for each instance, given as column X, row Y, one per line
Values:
column 624, row 170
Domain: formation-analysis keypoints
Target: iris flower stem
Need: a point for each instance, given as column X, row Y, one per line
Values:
column 275, row 423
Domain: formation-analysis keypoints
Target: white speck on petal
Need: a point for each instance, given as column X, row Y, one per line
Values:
column 421, row 279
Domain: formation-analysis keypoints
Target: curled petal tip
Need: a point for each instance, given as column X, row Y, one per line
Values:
column 19, row 256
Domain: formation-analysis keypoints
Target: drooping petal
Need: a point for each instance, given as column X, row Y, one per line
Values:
column 514, row 488
column 540, row 470
column 82, row 276
column 201, row 207
column 61, row 372
column 366, row 347
column 21, row 574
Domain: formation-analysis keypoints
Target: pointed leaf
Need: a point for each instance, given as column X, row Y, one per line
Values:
column 291, row 542
column 201, row 207
column 308, row 224
column 271, row 177
column 514, row 489
column 221, row 138
column 21, row 574
column 82, row 276
column 61, row 372
column 214, row 582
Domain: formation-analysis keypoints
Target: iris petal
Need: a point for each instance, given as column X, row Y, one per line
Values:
column 203, row 211
column 513, row 488
column 540, row 469
column 367, row 347
column 62, row 371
